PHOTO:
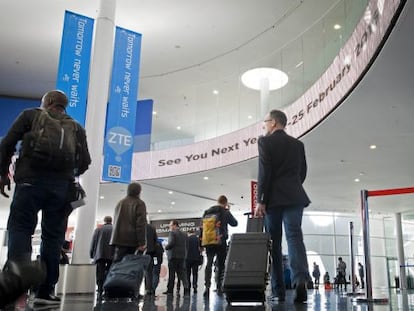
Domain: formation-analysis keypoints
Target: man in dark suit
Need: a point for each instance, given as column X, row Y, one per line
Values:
column 177, row 253
column 281, row 199
column 101, row 252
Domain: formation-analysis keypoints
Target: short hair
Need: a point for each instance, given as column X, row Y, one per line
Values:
column 107, row 219
column 339, row 258
column 222, row 200
column 279, row 116
column 175, row 222
column 134, row 189
column 55, row 98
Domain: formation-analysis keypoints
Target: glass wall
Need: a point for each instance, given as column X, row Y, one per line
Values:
column 225, row 105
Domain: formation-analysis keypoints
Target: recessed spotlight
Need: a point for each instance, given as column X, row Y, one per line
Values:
column 205, row 178
column 102, row 197
column 154, row 113
column 373, row 147
column 337, row 26
column 172, row 203
column 356, row 179
column 178, row 127
column 361, row 173
column 249, row 117
column 159, row 211
column 170, row 192
column 215, row 92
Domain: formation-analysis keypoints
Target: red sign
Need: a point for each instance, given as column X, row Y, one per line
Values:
column 253, row 194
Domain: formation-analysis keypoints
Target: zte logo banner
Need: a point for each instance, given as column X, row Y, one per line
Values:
column 122, row 106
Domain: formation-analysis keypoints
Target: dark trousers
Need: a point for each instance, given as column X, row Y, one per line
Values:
column 49, row 196
column 156, row 270
column 192, row 269
column 102, row 268
column 176, row 266
column 220, row 252
column 149, row 277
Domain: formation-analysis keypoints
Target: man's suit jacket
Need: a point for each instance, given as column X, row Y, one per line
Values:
column 177, row 245
column 100, row 248
column 282, row 170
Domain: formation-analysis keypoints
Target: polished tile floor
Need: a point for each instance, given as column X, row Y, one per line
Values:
column 317, row 300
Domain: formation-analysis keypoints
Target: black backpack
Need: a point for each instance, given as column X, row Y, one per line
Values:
column 52, row 142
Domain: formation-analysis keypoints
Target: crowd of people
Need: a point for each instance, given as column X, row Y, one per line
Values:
column 45, row 179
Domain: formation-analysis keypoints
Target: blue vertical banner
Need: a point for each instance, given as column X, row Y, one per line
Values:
column 74, row 61
column 143, row 125
column 122, row 107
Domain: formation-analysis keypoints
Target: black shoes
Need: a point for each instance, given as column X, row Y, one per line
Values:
column 46, row 300
column 301, row 293
column 167, row 293
column 186, row 292
column 206, row 292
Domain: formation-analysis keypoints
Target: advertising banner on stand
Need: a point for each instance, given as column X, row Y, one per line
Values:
column 122, row 106
column 253, row 194
column 74, row 60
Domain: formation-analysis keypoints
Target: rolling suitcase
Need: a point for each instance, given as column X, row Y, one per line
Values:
column 125, row 277
column 247, row 267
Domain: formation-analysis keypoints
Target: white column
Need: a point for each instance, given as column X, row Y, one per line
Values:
column 264, row 96
column 99, row 80
column 400, row 248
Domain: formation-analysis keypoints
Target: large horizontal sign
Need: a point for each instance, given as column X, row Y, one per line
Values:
column 163, row 229
column 303, row 115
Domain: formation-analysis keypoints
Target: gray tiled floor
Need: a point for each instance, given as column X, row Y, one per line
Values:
column 317, row 300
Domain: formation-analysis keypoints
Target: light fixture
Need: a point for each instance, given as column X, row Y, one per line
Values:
column 205, row 178
column 215, row 92
column 159, row 211
column 154, row 113
column 249, row 117
column 102, row 197
column 299, row 64
column 172, row 203
column 373, row 147
column 337, row 26
column 254, row 78
column 356, row 179
column 178, row 127
column 170, row 192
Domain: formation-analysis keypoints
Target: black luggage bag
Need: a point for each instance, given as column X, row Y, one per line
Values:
column 125, row 277
column 247, row 267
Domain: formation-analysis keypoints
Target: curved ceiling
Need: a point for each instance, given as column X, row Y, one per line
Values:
column 379, row 111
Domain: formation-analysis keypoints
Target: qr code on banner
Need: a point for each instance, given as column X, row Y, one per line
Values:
column 114, row 171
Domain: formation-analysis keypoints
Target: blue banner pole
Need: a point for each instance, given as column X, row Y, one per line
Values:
column 74, row 61
column 121, row 112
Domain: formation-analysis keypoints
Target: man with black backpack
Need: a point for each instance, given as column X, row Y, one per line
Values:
column 53, row 152
column 214, row 237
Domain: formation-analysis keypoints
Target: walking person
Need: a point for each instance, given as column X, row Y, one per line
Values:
column 361, row 274
column 152, row 239
column 53, row 152
column 316, row 274
column 177, row 252
column 128, row 234
column 102, row 252
column 193, row 259
column 218, row 251
column 281, row 200
column 341, row 273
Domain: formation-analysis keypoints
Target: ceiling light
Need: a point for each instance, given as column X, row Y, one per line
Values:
column 253, row 78
column 178, row 127
column 356, row 179
column 154, row 113
column 102, row 197
column 205, row 178
column 299, row 64
column 373, row 147
column 215, row 92
column 170, row 192
column 159, row 211
column 249, row 117
column 337, row 26
column 172, row 203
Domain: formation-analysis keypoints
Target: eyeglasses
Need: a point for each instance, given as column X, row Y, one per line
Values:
column 268, row 120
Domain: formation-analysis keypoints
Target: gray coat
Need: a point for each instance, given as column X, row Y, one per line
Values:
column 177, row 245
column 100, row 248
column 129, row 223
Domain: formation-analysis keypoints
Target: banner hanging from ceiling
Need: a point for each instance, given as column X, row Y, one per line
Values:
column 74, row 61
